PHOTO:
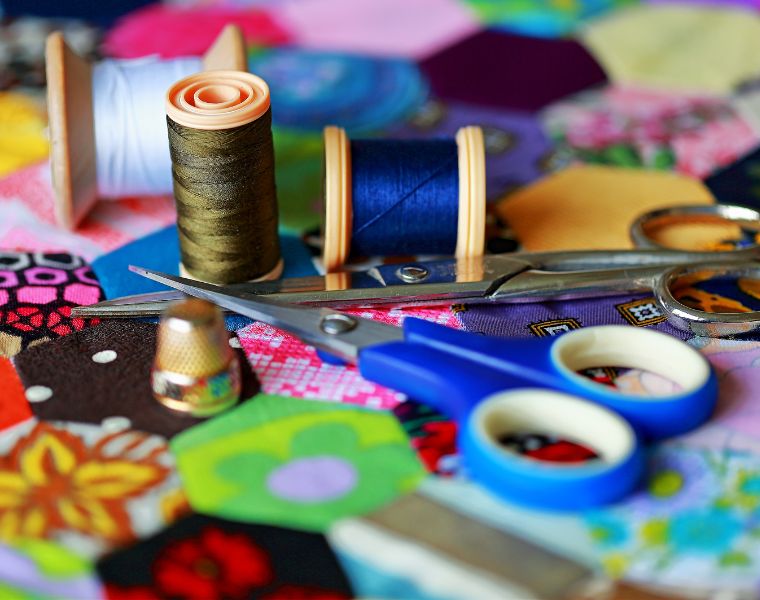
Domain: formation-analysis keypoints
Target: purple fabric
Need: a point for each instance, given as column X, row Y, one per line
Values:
column 517, row 149
column 491, row 68
column 313, row 479
column 554, row 318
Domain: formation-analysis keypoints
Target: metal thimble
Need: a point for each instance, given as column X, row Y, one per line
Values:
column 195, row 370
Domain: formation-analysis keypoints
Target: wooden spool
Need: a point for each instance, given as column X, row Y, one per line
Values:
column 72, row 125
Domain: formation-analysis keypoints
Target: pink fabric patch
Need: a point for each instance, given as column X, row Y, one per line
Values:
column 27, row 222
column 380, row 27
column 84, row 274
column 288, row 367
column 3, row 297
column 735, row 424
column 700, row 134
column 45, row 275
column 187, row 31
column 37, row 294
column 713, row 146
column 8, row 279
column 78, row 293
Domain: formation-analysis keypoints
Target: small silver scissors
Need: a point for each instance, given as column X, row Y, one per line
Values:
column 503, row 278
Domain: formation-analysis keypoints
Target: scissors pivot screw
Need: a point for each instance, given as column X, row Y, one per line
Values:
column 337, row 324
column 412, row 273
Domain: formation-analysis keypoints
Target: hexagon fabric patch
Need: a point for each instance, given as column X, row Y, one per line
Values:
column 296, row 463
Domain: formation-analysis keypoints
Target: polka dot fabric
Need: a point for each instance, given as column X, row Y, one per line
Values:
column 115, row 359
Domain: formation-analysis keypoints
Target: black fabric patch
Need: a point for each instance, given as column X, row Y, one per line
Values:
column 206, row 557
column 90, row 392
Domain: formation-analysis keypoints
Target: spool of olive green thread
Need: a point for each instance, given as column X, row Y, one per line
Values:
column 220, row 138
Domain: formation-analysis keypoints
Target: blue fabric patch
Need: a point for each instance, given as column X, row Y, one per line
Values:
column 372, row 582
column 160, row 251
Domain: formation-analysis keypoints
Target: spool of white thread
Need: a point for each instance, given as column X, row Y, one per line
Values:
column 108, row 124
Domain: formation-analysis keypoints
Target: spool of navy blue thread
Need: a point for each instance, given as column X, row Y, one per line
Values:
column 393, row 197
column 405, row 197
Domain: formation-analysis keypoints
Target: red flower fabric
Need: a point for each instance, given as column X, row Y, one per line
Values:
column 203, row 557
column 216, row 564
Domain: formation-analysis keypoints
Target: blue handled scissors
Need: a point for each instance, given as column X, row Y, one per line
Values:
column 494, row 387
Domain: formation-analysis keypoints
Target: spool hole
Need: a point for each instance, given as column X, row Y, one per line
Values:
column 217, row 96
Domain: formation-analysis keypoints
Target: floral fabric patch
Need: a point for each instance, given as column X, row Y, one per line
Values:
column 432, row 435
column 629, row 127
column 295, row 463
column 695, row 526
column 115, row 359
column 735, row 425
column 37, row 292
column 202, row 557
column 86, row 487
column 40, row 570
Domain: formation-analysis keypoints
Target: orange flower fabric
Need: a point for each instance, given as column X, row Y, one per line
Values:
column 52, row 480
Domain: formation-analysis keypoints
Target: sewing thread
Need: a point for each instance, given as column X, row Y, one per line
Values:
column 131, row 150
column 405, row 197
column 402, row 197
column 222, row 153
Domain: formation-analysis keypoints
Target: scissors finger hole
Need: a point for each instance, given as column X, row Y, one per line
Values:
column 590, row 427
column 711, row 227
column 563, row 485
column 632, row 348
column 716, row 300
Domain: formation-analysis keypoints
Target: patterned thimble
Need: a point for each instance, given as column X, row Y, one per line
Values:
column 195, row 370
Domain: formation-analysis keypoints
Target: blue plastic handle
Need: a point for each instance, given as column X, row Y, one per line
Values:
column 455, row 371
column 547, row 484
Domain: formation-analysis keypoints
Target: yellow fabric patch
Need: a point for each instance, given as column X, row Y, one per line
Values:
column 592, row 207
column 681, row 47
column 22, row 132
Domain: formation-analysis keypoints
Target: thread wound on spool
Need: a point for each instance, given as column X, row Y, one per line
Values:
column 130, row 147
column 405, row 197
column 223, row 169
column 386, row 197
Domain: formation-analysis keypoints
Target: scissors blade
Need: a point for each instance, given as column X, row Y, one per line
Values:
column 341, row 335
column 429, row 283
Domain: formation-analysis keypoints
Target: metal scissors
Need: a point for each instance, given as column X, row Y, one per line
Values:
column 494, row 387
column 517, row 277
